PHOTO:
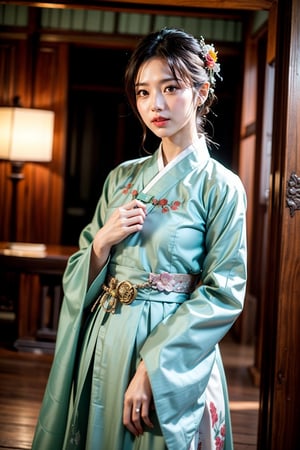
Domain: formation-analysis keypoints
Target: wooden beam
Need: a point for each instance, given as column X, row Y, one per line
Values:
column 149, row 4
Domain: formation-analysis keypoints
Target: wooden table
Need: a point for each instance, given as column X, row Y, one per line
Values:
column 36, row 289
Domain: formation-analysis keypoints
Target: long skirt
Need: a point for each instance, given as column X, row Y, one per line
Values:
column 106, row 363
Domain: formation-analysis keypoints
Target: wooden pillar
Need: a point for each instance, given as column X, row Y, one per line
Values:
column 280, row 394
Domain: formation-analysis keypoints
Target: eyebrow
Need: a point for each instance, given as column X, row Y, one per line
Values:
column 164, row 80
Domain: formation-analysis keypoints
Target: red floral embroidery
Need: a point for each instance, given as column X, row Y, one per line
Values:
column 126, row 188
column 223, row 430
column 163, row 202
column 213, row 413
column 175, row 205
column 218, row 425
column 219, row 443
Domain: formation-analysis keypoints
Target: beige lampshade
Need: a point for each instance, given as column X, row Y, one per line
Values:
column 26, row 134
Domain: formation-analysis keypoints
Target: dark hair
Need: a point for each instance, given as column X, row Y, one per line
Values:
column 183, row 54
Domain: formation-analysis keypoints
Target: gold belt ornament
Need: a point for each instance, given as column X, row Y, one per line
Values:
column 123, row 291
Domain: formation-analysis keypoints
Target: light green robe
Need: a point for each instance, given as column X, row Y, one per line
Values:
column 195, row 224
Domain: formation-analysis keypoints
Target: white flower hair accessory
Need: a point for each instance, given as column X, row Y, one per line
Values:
column 210, row 58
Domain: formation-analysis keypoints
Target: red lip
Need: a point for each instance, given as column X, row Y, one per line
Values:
column 159, row 121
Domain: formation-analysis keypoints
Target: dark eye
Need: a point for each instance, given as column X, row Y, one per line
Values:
column 141, row 93
column 171, row 89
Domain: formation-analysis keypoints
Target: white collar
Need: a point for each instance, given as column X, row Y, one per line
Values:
column 199, row 147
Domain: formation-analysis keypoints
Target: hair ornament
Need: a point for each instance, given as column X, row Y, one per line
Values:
column 210, row 58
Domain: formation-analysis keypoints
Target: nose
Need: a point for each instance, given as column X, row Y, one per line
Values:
column 156, row 108
column 157, row 101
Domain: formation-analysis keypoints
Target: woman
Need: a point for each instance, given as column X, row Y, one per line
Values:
column 158, row 281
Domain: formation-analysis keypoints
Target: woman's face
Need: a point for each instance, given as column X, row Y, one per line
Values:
column 167, row 106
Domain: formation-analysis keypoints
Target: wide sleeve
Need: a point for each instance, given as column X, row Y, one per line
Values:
column 179, row 354
column 51, row 425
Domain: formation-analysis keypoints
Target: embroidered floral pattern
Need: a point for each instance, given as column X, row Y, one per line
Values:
column 163, row 203
column 218, row 424
column 172, row 282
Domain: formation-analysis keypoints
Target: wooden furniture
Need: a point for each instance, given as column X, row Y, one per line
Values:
column 36, row 287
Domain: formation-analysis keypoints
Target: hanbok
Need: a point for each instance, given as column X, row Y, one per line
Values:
column 195, row 225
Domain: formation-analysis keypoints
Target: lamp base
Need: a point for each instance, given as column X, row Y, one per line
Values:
column 16, row 170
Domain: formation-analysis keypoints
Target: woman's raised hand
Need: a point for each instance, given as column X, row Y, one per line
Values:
column 125, row 220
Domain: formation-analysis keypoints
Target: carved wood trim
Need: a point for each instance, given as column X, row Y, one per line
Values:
column 293, row 193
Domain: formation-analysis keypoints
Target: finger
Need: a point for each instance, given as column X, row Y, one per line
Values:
column 136, row 419
column 145, row 415
column 135, row 212
column 135, row 204
column 134, row 220
column 127, row 421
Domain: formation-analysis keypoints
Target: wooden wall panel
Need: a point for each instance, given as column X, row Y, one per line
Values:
column 249, row 107
column 13, row 81
column 247, row 174
column 46, row 181
column 40, row 193
column 60, row 99
column 248, row 137
column 244, row 329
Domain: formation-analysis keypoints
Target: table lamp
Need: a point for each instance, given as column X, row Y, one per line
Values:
column 26, row 135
